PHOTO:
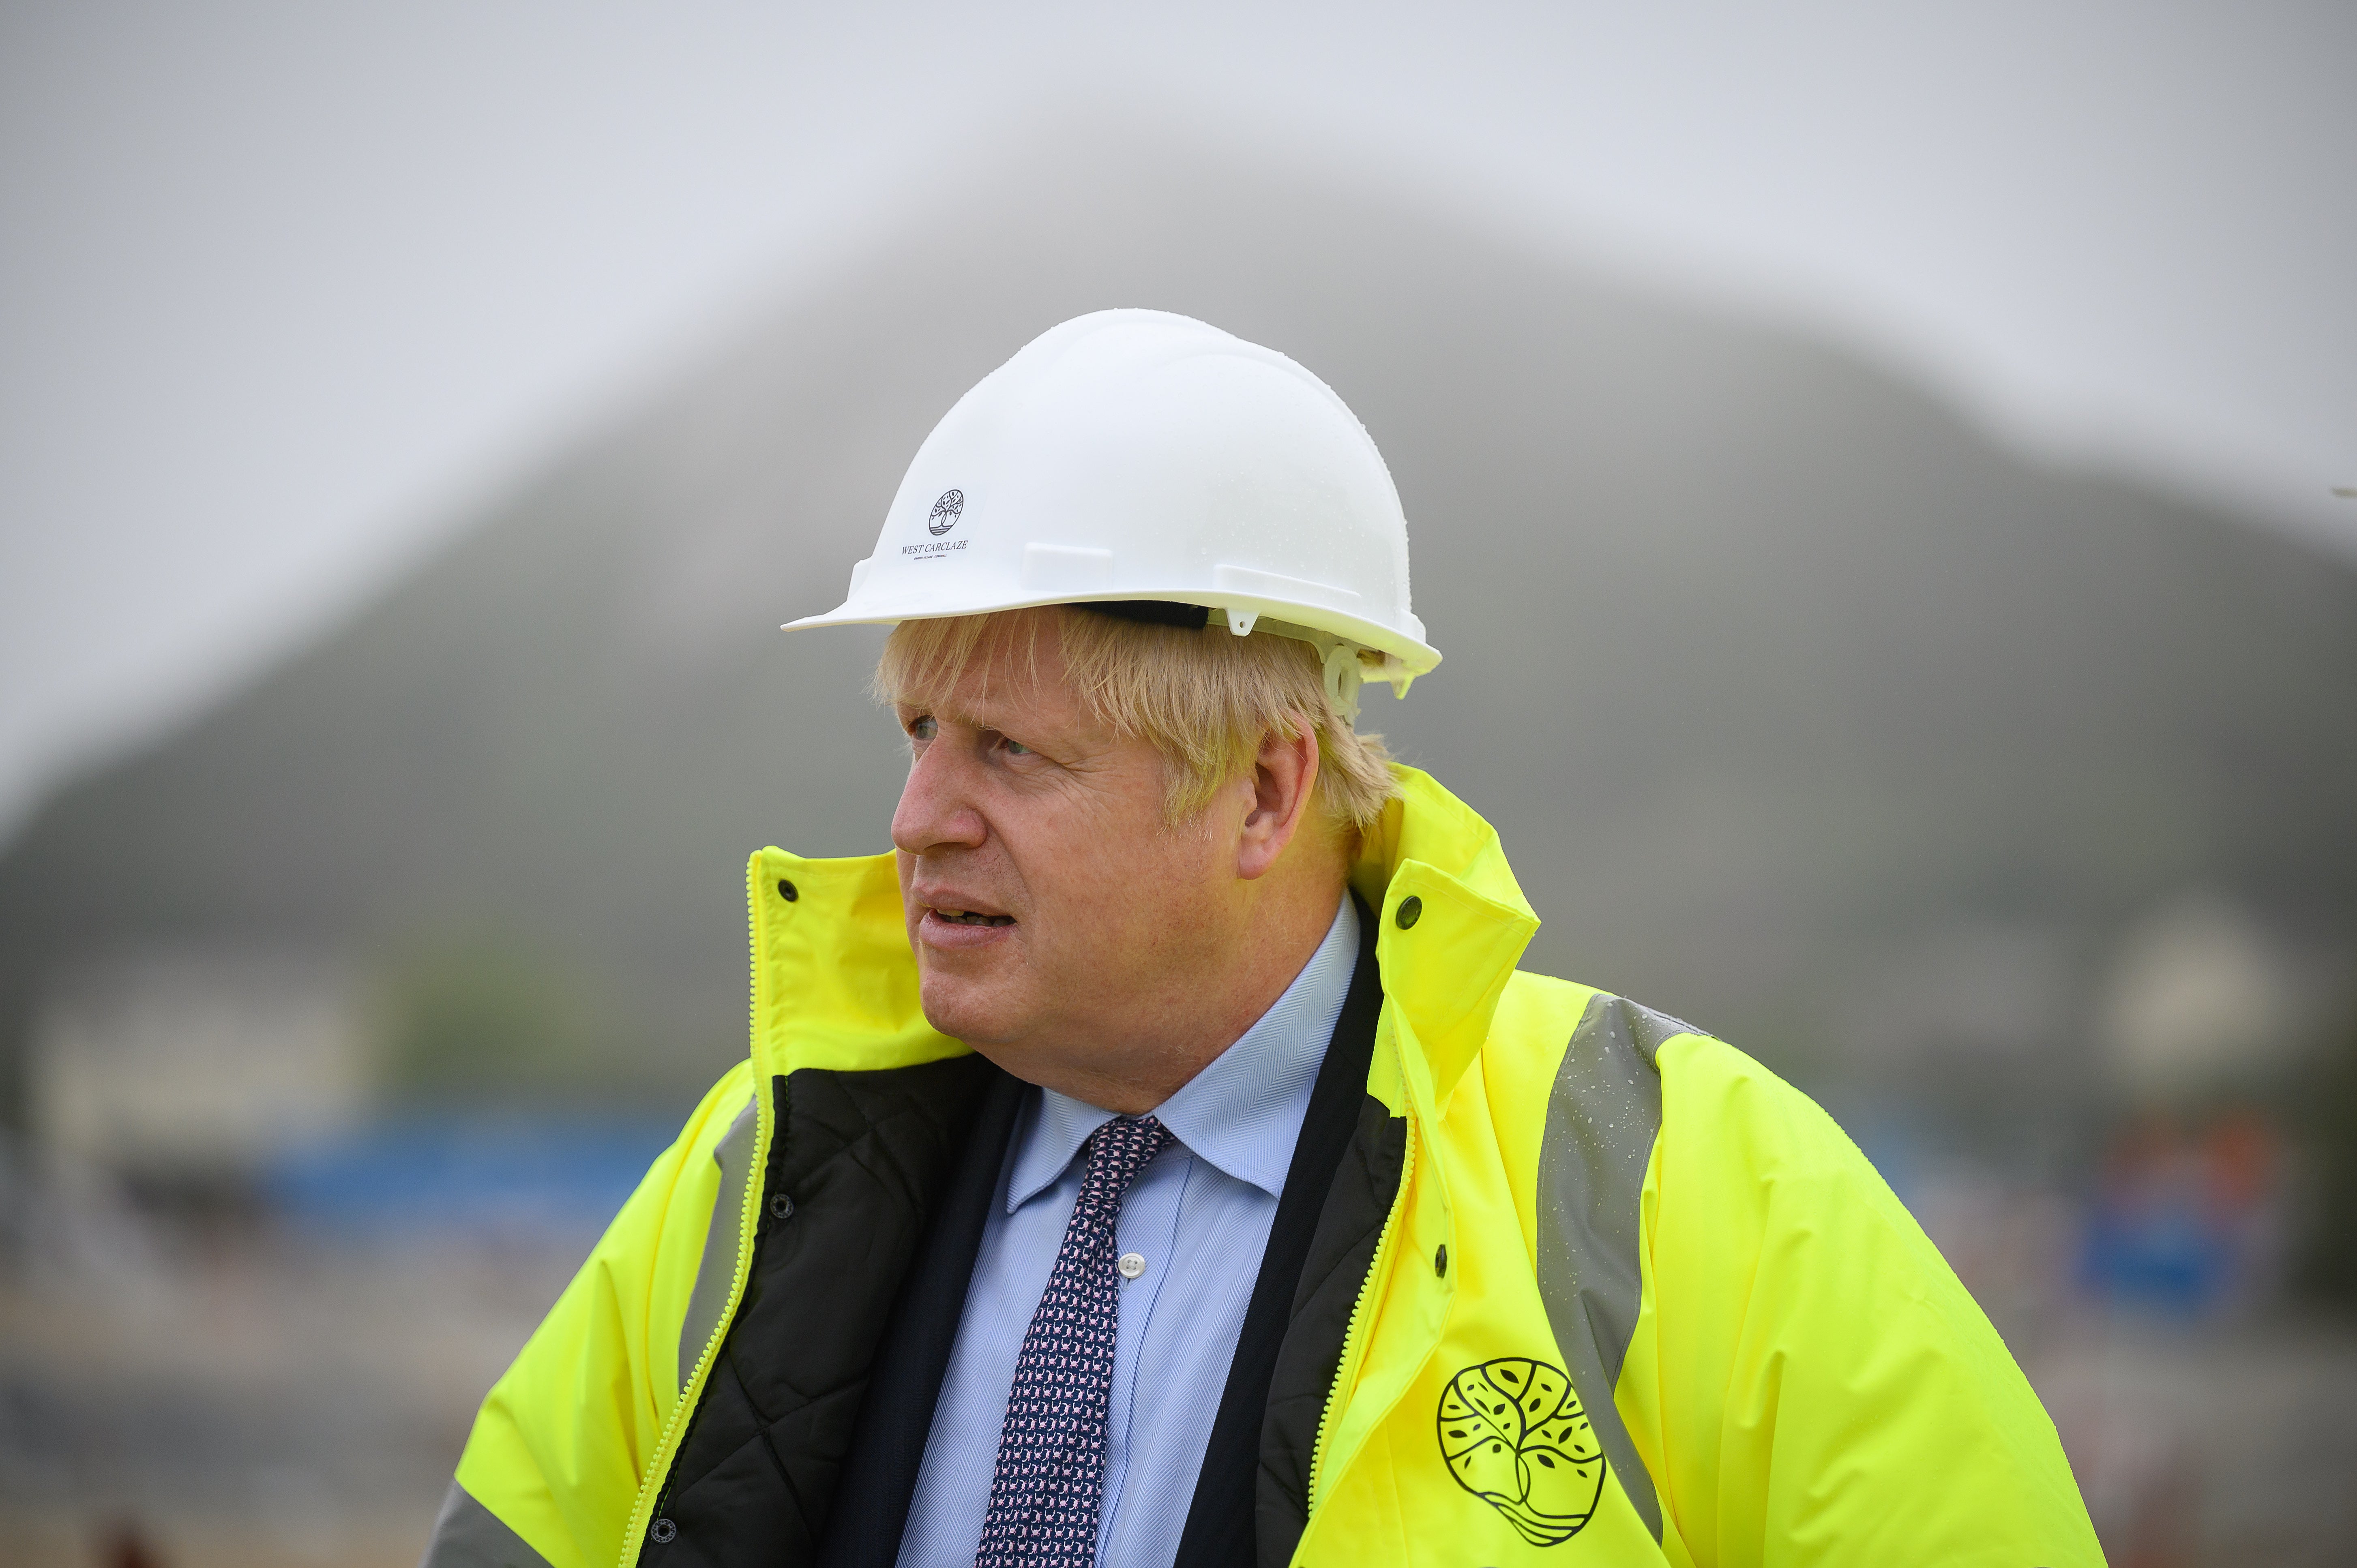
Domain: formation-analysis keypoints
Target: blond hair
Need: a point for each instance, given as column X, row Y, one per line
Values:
column 1203, row 699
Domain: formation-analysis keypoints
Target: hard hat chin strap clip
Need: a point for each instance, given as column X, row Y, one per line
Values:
column 1346, row 665
column 1343, row 676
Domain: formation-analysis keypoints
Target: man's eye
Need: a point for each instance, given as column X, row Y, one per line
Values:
column 1015, row 747
column 923, row 728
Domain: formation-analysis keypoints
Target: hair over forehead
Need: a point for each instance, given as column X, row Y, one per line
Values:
column 1203, row 698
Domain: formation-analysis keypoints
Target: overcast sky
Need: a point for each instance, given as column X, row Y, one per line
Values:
column 285, row 289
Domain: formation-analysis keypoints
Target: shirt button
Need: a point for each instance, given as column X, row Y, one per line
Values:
column 1131, row 1265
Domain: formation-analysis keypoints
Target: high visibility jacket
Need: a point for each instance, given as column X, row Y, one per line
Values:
column 1596, row 1288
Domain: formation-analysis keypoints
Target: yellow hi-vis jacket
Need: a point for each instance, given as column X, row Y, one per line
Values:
column 1622, row 1296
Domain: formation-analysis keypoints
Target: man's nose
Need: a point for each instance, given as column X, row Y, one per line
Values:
column 937, row 808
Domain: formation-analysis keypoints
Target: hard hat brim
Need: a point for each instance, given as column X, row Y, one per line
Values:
column 1408, row 656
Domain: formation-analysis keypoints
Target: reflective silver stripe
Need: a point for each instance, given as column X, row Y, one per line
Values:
column 717, row 1271
column 469, row 1535
column 1602, row 1118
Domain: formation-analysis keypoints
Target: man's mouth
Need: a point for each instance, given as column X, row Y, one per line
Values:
column 969, row 917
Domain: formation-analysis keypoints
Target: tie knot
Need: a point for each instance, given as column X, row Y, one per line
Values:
column 1117, row 1152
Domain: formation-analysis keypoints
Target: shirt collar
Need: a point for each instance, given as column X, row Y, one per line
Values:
column 1242, row 1112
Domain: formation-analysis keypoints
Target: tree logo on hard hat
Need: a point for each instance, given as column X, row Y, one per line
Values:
column 946, row 512
column 1514, row 1435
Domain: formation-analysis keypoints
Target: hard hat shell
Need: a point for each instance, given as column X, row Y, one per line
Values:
column 1138, row 455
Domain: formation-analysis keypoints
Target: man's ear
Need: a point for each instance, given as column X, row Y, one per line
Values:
column 1284, row 779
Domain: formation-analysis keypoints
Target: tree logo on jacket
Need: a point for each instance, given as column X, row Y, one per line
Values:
column 1513, row 1434
column 946, row 512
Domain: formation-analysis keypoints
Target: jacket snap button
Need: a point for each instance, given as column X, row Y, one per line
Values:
column 662, row 1532
column 781, row 1206
column 1410, row 912
column 788, row 891
column 1441, row 1260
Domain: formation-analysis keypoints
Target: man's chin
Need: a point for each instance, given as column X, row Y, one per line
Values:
column 969, row 1010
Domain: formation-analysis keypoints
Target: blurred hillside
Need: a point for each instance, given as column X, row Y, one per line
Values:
column 1804, row 710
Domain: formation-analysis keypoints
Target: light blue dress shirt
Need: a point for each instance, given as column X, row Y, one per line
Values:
column 1199, row 1214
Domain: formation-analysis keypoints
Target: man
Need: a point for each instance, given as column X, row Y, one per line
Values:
column 1157, row 1158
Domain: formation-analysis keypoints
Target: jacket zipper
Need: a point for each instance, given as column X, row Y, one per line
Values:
column 667, row 1450
column 1354, row 1336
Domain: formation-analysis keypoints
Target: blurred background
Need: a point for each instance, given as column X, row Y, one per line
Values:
column 1872, row 473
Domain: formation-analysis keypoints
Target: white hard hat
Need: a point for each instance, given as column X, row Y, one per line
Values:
column 1134, row 458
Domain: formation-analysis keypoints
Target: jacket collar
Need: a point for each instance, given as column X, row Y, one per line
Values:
column 1445, row 963
column 834, row 984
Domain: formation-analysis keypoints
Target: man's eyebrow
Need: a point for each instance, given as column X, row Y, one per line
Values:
column 972, row 718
